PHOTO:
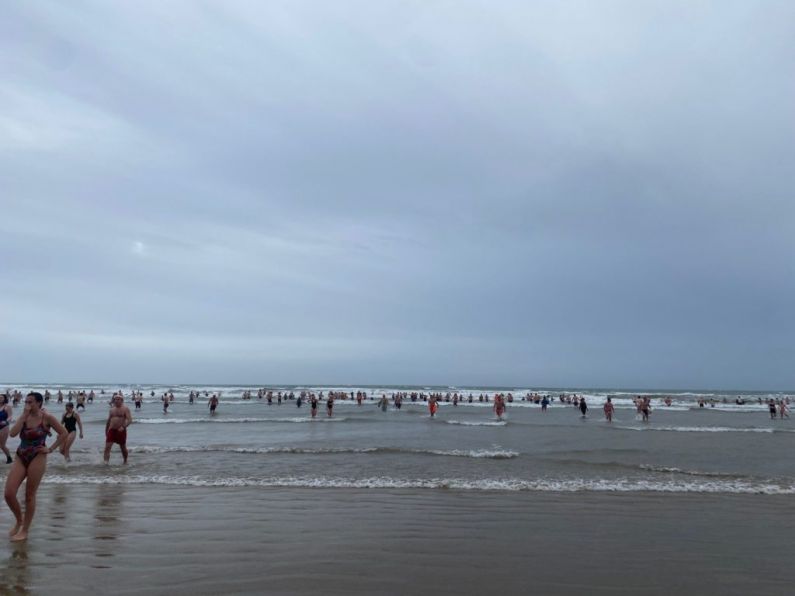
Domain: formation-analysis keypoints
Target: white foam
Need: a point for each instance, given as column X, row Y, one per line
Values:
column 495, row 484
column 216, row 419
column 473, row 453
column 704, row 429
column 673, row 470
column 481, row 423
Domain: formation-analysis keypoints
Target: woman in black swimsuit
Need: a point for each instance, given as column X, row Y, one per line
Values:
column 313, row 405
column 70, row 420
column 6, row 413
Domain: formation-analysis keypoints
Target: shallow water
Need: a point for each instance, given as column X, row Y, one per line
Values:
column 251, row 443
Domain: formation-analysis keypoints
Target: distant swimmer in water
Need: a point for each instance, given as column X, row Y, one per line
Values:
column 383, row 403
column 433, row 405
column 645, row 408
column 313, row 405
column 583, row 407
column 138, row 399
column 771, row 406
column 71, row 422
column 608, row 407
column 329, row 404
column 544, row 403
column 499, row 405
column 165, row 403
column 119, row 418
column 783, row 410
column 6, row 414
column 32, row 426
column 212, row 403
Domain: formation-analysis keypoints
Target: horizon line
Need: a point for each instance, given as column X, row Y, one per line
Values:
column 412, row 385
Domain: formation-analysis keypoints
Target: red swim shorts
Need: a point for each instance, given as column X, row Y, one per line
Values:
column 116, row 435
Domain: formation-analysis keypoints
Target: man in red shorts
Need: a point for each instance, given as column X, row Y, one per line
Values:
column 119, row 418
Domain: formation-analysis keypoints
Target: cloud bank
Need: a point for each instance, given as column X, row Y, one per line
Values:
column 570, row 194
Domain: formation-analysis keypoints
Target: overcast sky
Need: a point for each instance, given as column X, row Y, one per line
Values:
column 504, row 193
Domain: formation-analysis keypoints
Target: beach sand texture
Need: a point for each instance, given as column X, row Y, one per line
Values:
column 131, row 539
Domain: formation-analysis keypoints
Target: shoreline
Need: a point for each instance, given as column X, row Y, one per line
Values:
column 149, row 539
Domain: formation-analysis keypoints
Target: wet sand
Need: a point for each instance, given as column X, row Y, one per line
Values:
column 138, row 539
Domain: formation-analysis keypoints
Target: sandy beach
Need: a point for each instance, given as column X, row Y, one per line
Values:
column 126, row 539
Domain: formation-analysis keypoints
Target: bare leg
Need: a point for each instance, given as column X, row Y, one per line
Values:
column 15, row 477
column 124, row 452
column 36, row 470
column 3, row 439
column 67, row 445
column 107, row 452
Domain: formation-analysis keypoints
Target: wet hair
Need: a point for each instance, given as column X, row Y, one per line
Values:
column 3, row 399
column 37, row 396
column 70, row 404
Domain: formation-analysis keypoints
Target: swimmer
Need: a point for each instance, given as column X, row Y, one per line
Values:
column 499, row 405
column 645, row 408
column 329, row 404
column 212, row 404
column 608, row 408
column 166, row 402
column 383, row 403
column 119, row 418
column 71, row 421
column 783, row 410
column 544, row 403
column 6, row 414
column 433, row 405
column 583, row 407
column 771, row 407
column 313, row 405
column 32, row 426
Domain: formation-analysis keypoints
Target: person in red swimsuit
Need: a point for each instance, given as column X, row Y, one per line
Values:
column 119, row 418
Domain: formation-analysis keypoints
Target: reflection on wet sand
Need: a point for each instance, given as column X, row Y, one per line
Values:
column 16, row 572
column 59, row 511
column 108, row 523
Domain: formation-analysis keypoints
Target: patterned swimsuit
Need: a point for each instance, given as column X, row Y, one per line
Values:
column 32, row 440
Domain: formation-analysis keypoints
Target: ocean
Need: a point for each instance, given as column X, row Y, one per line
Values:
column 368, row 501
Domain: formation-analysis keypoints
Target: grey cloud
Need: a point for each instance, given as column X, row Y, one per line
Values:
column 573, row 193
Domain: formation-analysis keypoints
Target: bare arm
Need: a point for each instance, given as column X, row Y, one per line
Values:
column 19, row 423
column 79, row 424
column 127, row 417
column 52, row 421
